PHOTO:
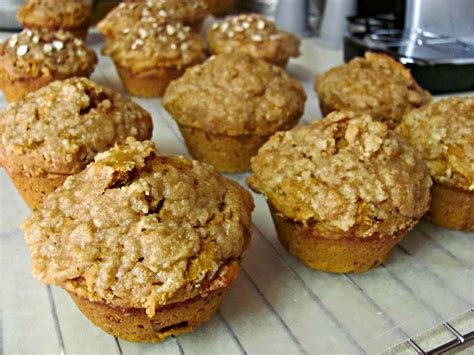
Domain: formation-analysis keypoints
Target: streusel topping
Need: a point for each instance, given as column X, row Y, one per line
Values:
column 125, row 15
column 149, row 45
column 235, row 94
column 345, row 174
column 255, row 35
column 34, row 53
column 443, row 132
column 139, row 229
column 62, row 126
column 54, row 13
column 376, row 84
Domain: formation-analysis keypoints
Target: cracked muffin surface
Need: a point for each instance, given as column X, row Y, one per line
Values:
column 443, row 132
column 235, row 94
column 345, row 175
column 375, row 84
column 42, row 53
column 253, row 34
column 126, row 15
column 69, row 14
column 61, row 127
column 140, row 229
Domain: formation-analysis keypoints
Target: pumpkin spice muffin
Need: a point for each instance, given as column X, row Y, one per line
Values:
column 255, row 35
column 145, row 244
column 189, row 12
column 443, row 132
column 34, row 58
column 69, row 15
column 150, row 55
column 56, row 131
column 376, row 84
column 219, row 7
column 229, row 106
column 343, row 191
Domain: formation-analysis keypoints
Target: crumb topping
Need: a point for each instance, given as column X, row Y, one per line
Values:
column 49, row 13
column 62, row 126
column 443, row 132
column 149, row 45
column 376, row 84
column 252, row 34
column 34, row 53
column 346, row 175
column 125, row 15
column 140, row 229
column 235, row 94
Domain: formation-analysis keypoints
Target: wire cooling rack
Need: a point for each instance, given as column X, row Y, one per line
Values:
column 420, row 301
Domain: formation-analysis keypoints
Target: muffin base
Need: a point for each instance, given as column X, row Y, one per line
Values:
column 151, row 84
column 34, row 189
column 451, row 207
column 228, row 154
column 220, row 7
column 16, row 90
column 349, row 254
column 133, row 324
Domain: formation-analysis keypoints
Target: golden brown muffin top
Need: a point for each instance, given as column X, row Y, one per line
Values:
column 140, row 229
column 443, row 132
column 255, row 35
column 146, row 46
column 376, row 84
column 235, row 94
column 42, row 53
column 346, row 174
column 55, row 14
column 62, row 126
column 125, row 15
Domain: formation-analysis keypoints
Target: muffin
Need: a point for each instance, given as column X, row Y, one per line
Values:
column 342, row 191
column 443, row 132
column 150, row 55
column 376, row 85
column 189, row 12
column 255, row 35
column 219, row 7
column 229, row 106
column 145, row 243
column 34, row 58
column 70, row 15
column 56, row 131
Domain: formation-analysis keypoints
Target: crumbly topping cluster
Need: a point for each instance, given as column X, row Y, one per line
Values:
column 346, row 175
column 33, row 53
column 140, row 229
column 376, row 84
column 125, row 15
column 62, row 126
column 443, row 132
column 147, row 45
column 250, row 31
column 236, row 94
column 51, row 13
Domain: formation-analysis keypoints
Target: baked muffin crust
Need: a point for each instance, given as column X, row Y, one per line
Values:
column 148, row 45
column 375, row 84
column 235, row 94
column 346, row 175
column 255, row 35
column 139, row 229
column 61, row 127
column 42, row 53
column 125, row 15
column 51, row 14
column 443, row 132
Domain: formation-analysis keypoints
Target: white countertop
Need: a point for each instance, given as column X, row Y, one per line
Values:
column 277, row 305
